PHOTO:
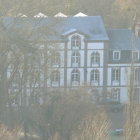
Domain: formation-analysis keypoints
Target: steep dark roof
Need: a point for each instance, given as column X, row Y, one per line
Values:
column 92, row 26
column 121, row 39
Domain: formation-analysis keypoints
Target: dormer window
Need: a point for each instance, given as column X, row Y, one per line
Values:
column 135, row 55
column 116, row 55
column 76, row 41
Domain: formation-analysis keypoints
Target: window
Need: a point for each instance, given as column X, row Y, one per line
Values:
column 116, row 55
column 56, row 59
column 14, row 98
column 135, row 55
column 115, row 94
column 75, row 76
column 139, row 33
column 75, row 59
column 115, row 74
column 33, row 60
column 16, row 80
column 94, row 76
column 76, row 41
column 137, row 95
column 55, row 77
column 137, row 75
column 95, row 58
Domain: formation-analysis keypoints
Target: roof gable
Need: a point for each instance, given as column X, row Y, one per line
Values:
column 72, row 31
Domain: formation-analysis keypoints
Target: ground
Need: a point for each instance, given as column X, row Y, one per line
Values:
column 117, row 122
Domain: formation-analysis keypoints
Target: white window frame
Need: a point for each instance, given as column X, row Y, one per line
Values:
column 16, row 80
column 75, row 77
column 119, row 55
column 115, row 93
column 137, row 75
column 75, row 60
column 134, row 56
column 56, row 59
column 95, row 75
column 76, row 41
column 95, row 58
column 55, row 76
column 115, row 74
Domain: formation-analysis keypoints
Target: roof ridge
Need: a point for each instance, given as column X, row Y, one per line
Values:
column 118, row 29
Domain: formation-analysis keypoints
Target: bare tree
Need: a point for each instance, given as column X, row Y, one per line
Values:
column 132, row 126
column 93, row 127
column 8, row 133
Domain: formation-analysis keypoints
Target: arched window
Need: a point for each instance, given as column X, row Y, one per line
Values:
column 56, row 59
column 95, row 58
column 75, row 60
column 115, row 74
column 75, row 77
column 55, row 78
column 94, row 76
column 76, row 41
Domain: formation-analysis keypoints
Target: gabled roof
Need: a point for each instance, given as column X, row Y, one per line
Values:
column 121, row 39
column 54, row 28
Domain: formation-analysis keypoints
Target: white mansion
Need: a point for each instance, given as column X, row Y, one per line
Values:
column 89, row 54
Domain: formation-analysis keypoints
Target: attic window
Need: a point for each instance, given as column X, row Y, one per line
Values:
column 116, row 55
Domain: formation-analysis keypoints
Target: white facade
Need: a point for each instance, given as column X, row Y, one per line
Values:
column 85, row 67
column 83, row 55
